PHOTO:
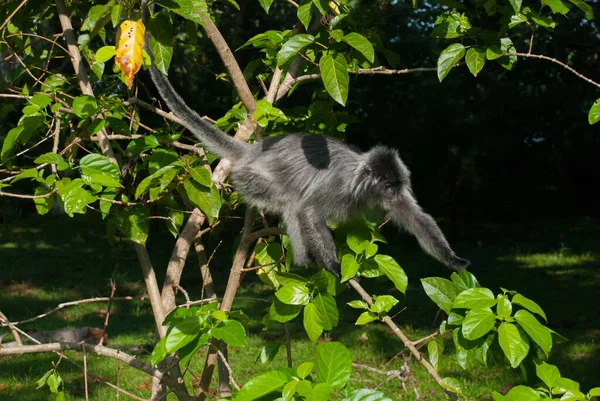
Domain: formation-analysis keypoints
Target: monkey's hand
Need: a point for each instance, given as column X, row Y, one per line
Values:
column 456, row 263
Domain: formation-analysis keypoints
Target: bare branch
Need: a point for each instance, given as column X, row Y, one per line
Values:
column 20, row 196
column 560, row 63
column 94, row 349
column 12, row 14
column 231, row 380
column 74, row 303
column 5, row 322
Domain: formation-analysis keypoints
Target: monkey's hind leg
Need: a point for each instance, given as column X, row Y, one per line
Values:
column 293, row 226
column 319, row 241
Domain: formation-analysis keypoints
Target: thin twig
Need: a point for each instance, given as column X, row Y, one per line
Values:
column 12, row 14
column 85, row 372
column 5, row 322
column 21, row 196
column 74, row 303
column 231, row 380
column 555, row 61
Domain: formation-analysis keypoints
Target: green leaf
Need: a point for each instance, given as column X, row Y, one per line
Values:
column 161, row 158
column 475, row 298
column 313, row 322
column 183, row 333
column 43, row 205
column 50, row 158
column 514, row 345
column 294, row 294
column 549, row 374
column 383, row 304
column 595, row 392
column 187, row 352
column 322, row 6
column 266, row 4
column 503, row 307
column 325, row 303
column 366, row 317
column 349, row 267
column 41, row 100
column 464, row 280
column 334, row 72
column 133, row 223
column 84, row 106
column 207, row 199
column 477, row 323
column 516, row 4
column 100, row 170
column 435, row 349
column 538, row 332
column 320, row 392
column 451, row 384
column 585, row 7
column 142, row 144
column 104, row 54
column 115, row 15
column 261, row 385
column 528, row 304
column 475, row 59
column 448, row 59
column 201, row 176
column 366, row 395
column 289, row 390
column 594, row 113
column 304, row 12
column 230, row 331
column 441, row 291
column 161, row 179
column 393, row 271
column 282, row 312
column 522, row 393
column 358, row 304
column 362, row 44
column 333, row 364
column 161, row 41
column 269, row 352
column 304, row 369
column 293, row 46
column 75, row 199
column 194, row 10
column 556, row 6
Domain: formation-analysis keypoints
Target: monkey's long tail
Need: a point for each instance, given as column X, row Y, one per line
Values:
column 216, row 140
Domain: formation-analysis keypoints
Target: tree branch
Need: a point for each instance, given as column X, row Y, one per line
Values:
column 555, row 61
column 231, row 64
column 80, row 71
column 94, row 349
column 178, row 257
column 405, row 340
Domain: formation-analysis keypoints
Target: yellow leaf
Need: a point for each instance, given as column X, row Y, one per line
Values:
column 334, row 7
column 130, row 43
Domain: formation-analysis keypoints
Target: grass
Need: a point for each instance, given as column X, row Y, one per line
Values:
column 49, row 260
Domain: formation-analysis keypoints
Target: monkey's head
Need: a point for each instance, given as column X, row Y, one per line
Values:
column 387, row 181
column 386, row 176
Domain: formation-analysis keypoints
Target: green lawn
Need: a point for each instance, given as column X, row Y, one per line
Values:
column 45, row 261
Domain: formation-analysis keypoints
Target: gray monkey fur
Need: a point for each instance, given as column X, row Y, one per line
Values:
column 308, row 180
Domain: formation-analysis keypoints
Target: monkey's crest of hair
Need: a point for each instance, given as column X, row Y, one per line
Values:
column 310, row 179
